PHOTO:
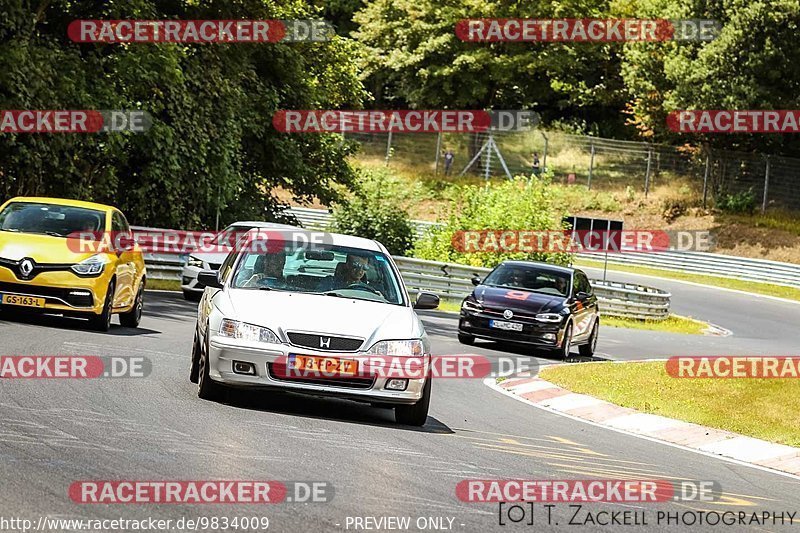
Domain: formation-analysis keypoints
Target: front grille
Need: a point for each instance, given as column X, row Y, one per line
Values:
column 277, row 371
column 75, row 300
column 325, row 342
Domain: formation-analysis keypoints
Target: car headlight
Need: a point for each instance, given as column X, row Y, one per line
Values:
column 194, row 262
column 404, row 348
column 471, row 306
column 549, row 317
column 248, row 332
column 93, row 266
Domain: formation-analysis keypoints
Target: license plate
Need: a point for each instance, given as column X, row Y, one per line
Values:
column 25, row 301
column 502, row 324
column 331, row 365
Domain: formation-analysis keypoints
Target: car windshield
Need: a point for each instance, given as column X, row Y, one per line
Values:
column 529, row 278
column 329, row 270
column 230, row 235
column 50, row 219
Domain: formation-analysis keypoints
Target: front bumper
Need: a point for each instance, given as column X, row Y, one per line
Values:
column 533, row 332
column 64, row 292
column 223, row 351
column 189, row 279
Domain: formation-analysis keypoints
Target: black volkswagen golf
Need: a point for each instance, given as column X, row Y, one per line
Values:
column 539, row 304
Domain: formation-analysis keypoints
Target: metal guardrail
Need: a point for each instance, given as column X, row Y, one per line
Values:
column 321, row 219
column 453, row 281
column 727, row 266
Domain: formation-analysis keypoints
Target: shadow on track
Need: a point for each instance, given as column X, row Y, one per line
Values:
column 280, row 402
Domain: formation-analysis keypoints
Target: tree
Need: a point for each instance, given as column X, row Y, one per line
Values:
column 212, row 145
column 750, row 65
column 413, row 58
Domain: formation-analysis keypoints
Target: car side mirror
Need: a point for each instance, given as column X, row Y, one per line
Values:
column 476, row 280
column 426, row 300
column 209, row 278
column 582, row 295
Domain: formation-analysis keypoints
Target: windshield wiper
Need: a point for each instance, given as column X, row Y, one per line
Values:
column 15, row 230
column 334, row 293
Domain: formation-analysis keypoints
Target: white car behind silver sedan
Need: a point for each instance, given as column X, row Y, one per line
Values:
column 268, row 312
column 223, row 243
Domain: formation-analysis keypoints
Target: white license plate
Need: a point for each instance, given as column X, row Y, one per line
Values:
column 502, row 324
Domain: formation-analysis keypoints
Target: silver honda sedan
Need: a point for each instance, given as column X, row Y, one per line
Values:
column 311, row 319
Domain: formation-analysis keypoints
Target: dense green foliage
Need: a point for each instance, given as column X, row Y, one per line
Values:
column 519, row 204
column 373, row 213
column 212, row 144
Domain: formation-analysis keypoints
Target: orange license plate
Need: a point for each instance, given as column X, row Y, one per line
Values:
column 25, row 301
column 312, row 363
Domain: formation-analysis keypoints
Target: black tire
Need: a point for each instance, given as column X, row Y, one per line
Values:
column 207, row 388
column 191, row 296
column 194, row 372
column 102, row 322
column 415, row 414
column 132, row 318
column 463, row 338
column 588, row 349
column 566, row 343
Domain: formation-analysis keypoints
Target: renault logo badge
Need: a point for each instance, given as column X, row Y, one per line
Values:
column 26, row 267
column 508, row 313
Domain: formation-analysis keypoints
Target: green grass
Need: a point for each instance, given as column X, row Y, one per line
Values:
column 767, row 409
column 164, row 284
column 768, row 289
column 673, row 324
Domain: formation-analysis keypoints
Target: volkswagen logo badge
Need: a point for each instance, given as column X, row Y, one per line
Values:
column 26, row 267
column 508, row 313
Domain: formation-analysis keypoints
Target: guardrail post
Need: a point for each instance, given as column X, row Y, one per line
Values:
column 766, row 186
column 544, row 154
column 705, row 177
column 438, row 151
column 591, row 166
column 647, row 172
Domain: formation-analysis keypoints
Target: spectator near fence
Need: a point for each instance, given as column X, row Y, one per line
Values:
column 448, row 161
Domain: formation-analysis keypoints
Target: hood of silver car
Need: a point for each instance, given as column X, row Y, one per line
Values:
column 295, row 311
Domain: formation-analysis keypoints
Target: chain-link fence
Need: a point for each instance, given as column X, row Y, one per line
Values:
column 762, row 181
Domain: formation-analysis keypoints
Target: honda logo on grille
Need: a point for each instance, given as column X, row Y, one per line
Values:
column 324, row 342
column 26, row 267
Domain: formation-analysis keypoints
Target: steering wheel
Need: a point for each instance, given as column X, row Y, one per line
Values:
column 361, row 285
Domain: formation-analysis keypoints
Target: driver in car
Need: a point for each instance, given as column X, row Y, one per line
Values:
column 351, row 272
column 268, row 267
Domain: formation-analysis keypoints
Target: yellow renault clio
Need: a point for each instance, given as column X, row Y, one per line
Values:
column 42, row 269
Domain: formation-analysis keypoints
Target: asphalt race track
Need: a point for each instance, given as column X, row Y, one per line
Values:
column 55, row 432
